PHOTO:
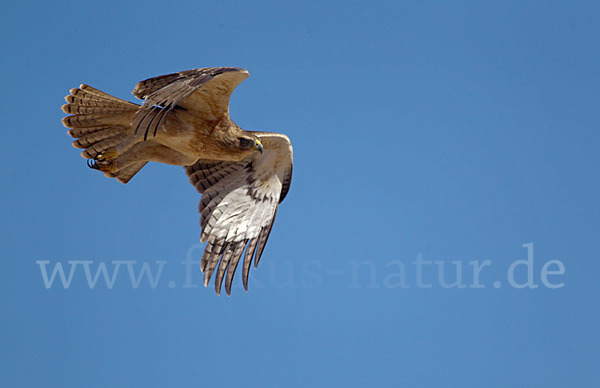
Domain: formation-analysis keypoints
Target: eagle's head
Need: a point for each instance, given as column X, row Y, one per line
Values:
column 250, row 142
column 238, row 144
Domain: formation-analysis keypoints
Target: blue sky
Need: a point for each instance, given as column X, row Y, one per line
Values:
column 450, row 131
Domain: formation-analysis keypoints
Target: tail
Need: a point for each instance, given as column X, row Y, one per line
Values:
column 100, row 122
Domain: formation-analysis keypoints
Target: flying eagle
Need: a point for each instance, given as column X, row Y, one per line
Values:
column 184, row 121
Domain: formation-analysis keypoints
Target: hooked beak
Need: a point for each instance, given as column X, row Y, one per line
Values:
column 259, row 146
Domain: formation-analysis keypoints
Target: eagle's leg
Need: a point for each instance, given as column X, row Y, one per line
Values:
column 108, row 155
column 104, row 161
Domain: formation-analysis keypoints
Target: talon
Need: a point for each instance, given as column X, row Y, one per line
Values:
column 104, row 161
column 103, row 165
column 108, row 154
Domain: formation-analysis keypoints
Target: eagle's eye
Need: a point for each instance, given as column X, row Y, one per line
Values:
column 245, row 143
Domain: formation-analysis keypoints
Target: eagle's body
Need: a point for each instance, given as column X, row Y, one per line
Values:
column 184, row 121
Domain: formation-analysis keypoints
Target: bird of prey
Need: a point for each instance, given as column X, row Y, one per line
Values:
column 184, row 120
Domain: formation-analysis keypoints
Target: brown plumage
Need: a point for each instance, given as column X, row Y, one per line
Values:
column 184, row 120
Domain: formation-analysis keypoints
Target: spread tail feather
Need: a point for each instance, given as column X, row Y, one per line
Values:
column 99, row 122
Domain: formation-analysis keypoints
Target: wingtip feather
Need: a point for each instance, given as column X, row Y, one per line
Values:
column 66, row 121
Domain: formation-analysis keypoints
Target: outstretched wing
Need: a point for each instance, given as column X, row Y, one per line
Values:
column 205, row 91
column 238, row 206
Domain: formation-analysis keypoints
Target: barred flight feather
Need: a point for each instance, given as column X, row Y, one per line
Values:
column 238, row 207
